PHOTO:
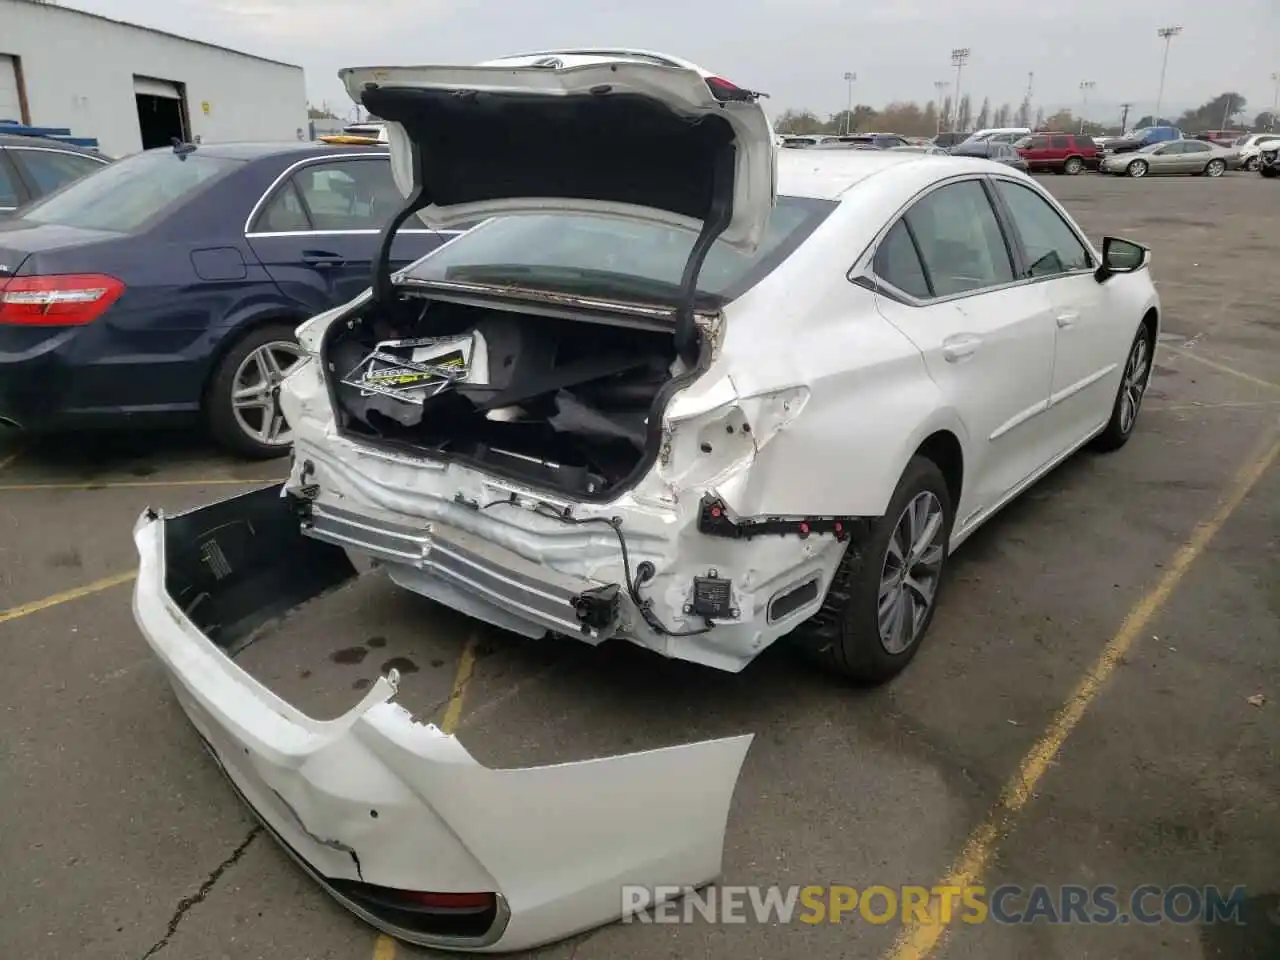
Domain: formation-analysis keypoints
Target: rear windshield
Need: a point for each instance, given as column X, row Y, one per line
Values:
column 127, row 194
column 599, row 256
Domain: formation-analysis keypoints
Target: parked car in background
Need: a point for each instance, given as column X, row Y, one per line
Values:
column 801, row 141
column 1269, row 160
column 881, row 140
column 1142, row 137
column 949, row 139
column 357, row 134
column 1067, row 153
column 1188, row 157
column 1223, row 138
column 166, row 286
column 999, row 134
column 991, row 150
column 1250, row 148
column 928, row 149
column 31, row 167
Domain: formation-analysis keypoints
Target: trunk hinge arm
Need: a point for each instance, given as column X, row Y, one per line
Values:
column 718, row 219
column 383, row 288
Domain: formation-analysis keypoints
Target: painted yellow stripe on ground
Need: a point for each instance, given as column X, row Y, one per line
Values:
column 461, row 680
column 384, row 948
column 920, row 940
column 66, row 596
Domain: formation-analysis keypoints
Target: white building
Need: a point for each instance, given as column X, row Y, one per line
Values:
column 131, row 87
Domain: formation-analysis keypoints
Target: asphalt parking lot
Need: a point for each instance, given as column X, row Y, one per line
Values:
column 1140, row 591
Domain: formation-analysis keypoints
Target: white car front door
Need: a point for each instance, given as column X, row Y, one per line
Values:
column 1090, row 342
column 945, row 277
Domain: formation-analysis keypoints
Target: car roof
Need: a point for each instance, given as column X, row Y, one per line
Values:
column 830, row 175
column 44, row 143
column 253, row 150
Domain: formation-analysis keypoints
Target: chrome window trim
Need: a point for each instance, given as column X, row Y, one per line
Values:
column 297, row 165
column 266, row 234
column 863, row 274
column 66, row 153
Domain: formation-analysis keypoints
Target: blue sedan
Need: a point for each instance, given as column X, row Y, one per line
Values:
column 166, row 287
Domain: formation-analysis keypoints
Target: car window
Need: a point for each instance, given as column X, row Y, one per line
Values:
column 284, row 213
column 1195, row 146
column 1051, row 246
column 349, row 194
column 1038, row 143
column 960, row 239
column 898, row 263
column 49, row 169
column 1062, row 141
column 1085, row 142
column 1168, row 149
column 579, row 253
column 8, row 189
column 126, row 195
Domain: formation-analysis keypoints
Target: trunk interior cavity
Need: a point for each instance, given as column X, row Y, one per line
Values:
column 569, row 405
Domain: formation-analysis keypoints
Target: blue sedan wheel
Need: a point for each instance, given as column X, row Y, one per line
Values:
column 243, row 401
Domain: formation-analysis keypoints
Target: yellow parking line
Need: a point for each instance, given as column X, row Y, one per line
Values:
column 384, row 947
column 1222, row 367
column 67, row 595
column 126, row 484
column 461, row 680
column 919, row 941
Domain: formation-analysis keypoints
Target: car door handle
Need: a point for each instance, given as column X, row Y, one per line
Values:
column 960, row 347
column 1067, row 319
column 321, row 258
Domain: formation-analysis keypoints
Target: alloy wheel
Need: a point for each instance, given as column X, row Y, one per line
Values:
column 911, row 572
column 1215, row 168
column 255, row 396
column 1138, row 169
column 1135, row 383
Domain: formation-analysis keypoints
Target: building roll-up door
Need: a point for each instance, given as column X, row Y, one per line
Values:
column 10, row 101
column 156, row 88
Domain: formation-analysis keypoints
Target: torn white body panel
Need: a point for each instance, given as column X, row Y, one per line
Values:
column 385, row 811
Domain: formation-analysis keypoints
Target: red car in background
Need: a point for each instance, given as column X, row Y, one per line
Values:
column 1060, row 152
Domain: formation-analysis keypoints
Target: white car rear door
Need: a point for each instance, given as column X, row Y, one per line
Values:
column 945, row 278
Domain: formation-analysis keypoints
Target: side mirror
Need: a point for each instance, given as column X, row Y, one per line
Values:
column 1120, row 256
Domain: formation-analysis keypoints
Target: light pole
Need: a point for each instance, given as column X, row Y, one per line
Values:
column 1085, row 87
column 1124, row 117
column 959, row 57
column 1227, row 112
column 938, row 87
column 849, row 79
column 1275, row 102
column 1166, row 34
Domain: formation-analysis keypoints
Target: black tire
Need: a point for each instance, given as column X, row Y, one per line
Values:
column 844, row 635
column 1269, row 172
column 1251, row 164
column 1215, row 168
column 1117, row 432
column 219, row 411
column 1073, row 167
column 1137, row 168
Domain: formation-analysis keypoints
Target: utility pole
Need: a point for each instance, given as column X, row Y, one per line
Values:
column 1275, row 102
column 959, row 57
column 1026, row 101
column 1124, row 117
column 849, row 79
column 1226, row 113
column 1085, row 87
column 1166, row 34
column 938, row 87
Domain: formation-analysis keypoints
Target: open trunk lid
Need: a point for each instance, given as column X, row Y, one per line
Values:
column 615, row 133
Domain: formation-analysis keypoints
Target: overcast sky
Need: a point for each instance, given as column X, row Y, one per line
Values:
column 795, row 50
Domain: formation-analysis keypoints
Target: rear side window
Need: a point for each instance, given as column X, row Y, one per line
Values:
column 897, row 262
column 1061, row 142
column 126, row 195
column 960, row 240
column 1038, row 143
column 8, row 189
column 49, row 169
column 1085, row 143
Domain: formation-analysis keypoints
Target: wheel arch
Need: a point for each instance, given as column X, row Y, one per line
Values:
column 237, row 330
column 944, row 449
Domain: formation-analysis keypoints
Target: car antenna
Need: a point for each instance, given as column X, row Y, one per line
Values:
column 182, row 149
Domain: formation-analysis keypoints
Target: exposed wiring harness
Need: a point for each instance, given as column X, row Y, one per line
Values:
column 643, row 573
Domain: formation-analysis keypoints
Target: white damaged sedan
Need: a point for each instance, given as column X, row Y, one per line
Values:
column 679, row 388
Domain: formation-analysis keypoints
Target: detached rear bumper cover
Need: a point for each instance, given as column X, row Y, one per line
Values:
column 377, row 798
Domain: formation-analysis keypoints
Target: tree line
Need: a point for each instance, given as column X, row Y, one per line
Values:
column 1226, row 111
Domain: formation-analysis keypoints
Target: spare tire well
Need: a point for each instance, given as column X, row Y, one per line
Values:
column 943, row 449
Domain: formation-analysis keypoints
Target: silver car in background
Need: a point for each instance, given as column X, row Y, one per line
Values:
column 1187, row 157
